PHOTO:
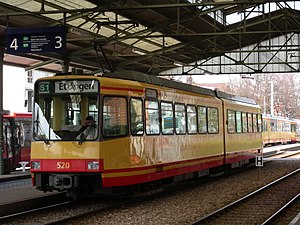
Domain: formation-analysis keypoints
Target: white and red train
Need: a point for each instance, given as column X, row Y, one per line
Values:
column 17, row 135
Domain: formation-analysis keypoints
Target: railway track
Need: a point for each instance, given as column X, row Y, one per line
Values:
column 259, row 207
column 73, row 213
column 62, row 212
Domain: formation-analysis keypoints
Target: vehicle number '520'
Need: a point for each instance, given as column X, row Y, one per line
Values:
column 63, row 165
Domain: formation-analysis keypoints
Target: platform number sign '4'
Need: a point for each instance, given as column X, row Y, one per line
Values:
column 36, row 40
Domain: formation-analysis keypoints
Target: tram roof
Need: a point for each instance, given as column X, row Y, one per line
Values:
column 145, row 78
column 145, row 36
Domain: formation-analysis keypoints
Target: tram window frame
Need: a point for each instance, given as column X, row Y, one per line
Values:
column 254, row 118
column 250, row 125
column 259, row 123
column 191, row 131
column 238, row 118
column 148, row 123
column 177, row 130
column 244, row 122
column 162, row 118
column 273, row 125
column 213, row 122
column 117, row 127
column 231, row 121
column 265, row 126
column 137, row 131
column 200, row 118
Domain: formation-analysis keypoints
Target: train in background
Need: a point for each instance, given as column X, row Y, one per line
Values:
column 17, row 133
column 295, row 130
column 148, row 132
column 280, row 130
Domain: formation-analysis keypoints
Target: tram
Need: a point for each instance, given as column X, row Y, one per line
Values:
column 149, row 132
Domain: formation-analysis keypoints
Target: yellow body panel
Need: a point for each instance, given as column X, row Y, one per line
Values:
column 236, row 142
column 65, row 150
column 270, row 136
column 130, row 152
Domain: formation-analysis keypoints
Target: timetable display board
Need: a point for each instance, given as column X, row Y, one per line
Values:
column 35, row 40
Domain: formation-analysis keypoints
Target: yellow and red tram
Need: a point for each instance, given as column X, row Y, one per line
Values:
column 148, row 130
column 277, row 130
column 295, row 130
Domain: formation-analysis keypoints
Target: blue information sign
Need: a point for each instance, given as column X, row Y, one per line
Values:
column 35, row 40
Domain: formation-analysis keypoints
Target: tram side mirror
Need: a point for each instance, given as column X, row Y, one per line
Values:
column 70, row 113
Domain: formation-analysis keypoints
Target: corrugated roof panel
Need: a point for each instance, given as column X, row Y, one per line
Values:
column 147, row 46
column 16, row 3
column 76, row 22
column 56, row 16
column 72, row 4
column 23, row 4
column 168, row 40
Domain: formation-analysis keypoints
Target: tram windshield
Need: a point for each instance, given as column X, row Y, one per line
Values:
column 61, row 107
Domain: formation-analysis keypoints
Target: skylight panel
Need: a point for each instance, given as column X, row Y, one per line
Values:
column 148, row 46
column 73, row 4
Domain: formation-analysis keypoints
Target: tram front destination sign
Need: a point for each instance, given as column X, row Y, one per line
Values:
column 35, row 40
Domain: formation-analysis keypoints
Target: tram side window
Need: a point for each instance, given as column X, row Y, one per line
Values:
column 152, row 117
column 136, row 116
column 114, row 116
column 202, row 120
column 250, row 123
column 231, row 121
column 213, row 120
column 286, row 127
column 191, row 119
column 279, row 126
column 180, row 118
column 254, row 123
column 244, row 122
column 259, row 123
column 93, row 108
column 167, row 117
column 238, row 116
column 273, row 125
column 265, row 126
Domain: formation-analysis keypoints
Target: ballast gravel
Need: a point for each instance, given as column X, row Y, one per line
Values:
column 198, row 199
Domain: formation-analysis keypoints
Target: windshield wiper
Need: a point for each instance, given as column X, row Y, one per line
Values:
column 83, row 136
column 42, row 135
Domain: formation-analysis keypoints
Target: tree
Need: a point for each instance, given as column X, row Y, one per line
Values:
column 285, row 92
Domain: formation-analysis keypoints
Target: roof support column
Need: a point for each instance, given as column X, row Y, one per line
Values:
column 1, row 113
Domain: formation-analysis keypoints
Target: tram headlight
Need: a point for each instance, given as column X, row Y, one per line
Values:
column 36, row 165
column 93, row 165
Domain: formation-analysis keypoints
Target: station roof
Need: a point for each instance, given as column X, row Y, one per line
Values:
column 148, row 36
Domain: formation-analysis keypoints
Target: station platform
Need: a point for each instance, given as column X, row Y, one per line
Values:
column 18, row 194
column 15, row 175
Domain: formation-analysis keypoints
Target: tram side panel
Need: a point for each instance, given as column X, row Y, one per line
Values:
column 159, row 154
column 243, row 138
column 277, row 130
